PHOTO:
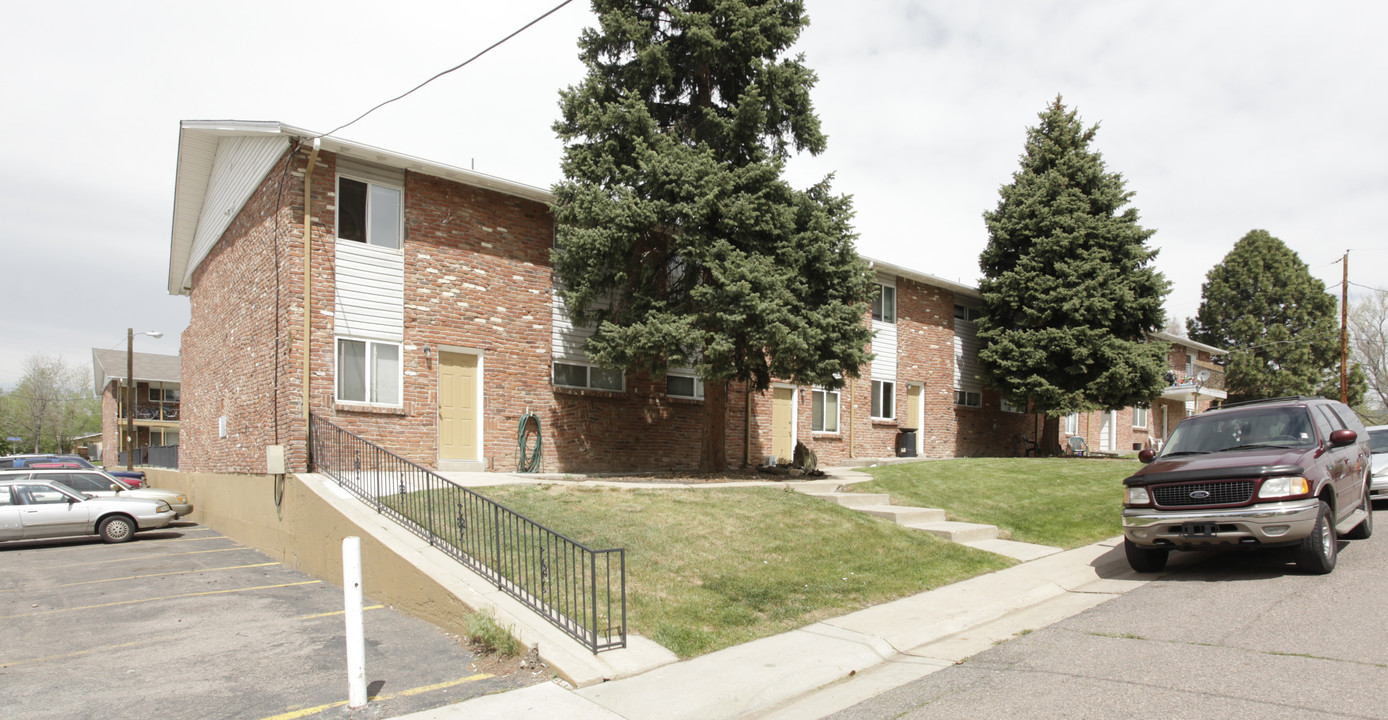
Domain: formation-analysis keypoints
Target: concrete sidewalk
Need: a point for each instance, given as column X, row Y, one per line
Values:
column 825, row 667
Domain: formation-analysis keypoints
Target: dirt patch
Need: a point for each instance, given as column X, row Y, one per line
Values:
column 696, row 478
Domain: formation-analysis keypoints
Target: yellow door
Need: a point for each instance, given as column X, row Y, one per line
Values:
column 783, row 422
column 915, row 413
column 458, row 409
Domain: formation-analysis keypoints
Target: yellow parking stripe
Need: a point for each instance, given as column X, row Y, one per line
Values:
column 144, row 557
column 12, row 663
column 153, row 599
column 339, row 612
column 139, row 577
column 293, row 714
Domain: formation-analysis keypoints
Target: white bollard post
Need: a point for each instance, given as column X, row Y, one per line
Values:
column 356, row 637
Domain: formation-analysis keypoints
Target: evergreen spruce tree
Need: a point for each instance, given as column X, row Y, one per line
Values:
column 677, row 238
column 1070, row 295
column 1280, row 326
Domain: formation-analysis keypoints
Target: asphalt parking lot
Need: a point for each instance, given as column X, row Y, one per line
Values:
column 185, row 622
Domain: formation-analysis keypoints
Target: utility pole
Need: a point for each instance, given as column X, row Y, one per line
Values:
column 1344, row 332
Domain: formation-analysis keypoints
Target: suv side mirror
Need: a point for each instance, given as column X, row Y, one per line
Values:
column 1146, row 456
column 1341, row 438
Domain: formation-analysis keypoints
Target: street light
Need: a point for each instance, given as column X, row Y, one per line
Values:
column 130, row 393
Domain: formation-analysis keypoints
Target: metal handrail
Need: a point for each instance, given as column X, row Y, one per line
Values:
column 566, row 582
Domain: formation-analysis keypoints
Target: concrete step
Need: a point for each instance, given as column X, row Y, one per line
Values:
column 904, row 515
column 853, row 500
column 1013, row 549
column 955, row 531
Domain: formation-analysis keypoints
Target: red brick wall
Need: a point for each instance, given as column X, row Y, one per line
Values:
column 110, row 429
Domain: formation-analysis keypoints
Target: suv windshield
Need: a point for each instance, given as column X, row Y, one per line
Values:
column 1254, row 428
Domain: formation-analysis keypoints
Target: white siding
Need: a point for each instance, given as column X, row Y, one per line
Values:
column 567, row 338
column 239, row 166
column 370, row 297
column 966, row 367
column 884, row 351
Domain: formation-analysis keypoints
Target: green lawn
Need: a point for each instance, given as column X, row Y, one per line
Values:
column 1065, row 502
column 711, row 568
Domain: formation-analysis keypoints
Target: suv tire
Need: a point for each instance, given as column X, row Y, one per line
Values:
column 1145, row 560
column 1316, row 554
column 1363, row 530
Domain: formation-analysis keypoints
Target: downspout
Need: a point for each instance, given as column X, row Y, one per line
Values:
column 852, row 408
column 308, row 267
column 747, row 444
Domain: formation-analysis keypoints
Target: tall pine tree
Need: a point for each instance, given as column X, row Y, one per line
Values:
column 678, row 240
column 1070, row 295
column 1281, row 327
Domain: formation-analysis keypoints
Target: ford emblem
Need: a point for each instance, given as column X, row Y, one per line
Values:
column 1200, row 494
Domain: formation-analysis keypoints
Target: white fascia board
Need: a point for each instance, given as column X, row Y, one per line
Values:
column 1168, row 337
column 920, row 277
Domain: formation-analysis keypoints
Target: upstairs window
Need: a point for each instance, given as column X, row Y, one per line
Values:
column 368, row 213
column 964, row 312
column 884, row 304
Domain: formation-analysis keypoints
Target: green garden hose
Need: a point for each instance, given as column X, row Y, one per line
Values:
column 528, row 459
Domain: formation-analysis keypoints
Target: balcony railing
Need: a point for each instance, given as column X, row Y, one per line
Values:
column 163, row 412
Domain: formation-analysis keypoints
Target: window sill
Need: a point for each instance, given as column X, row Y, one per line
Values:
column 587, row 392
column 350, row 407
column 826, row 433
column 884, row 421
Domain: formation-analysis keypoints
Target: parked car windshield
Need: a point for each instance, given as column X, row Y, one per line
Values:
column 1270, row 427
column 1378, row 441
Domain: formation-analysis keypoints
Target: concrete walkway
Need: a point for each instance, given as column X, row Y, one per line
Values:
column 828, row 666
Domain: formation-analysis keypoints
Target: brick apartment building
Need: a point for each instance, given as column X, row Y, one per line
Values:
column 431, row 326
column 156, row 409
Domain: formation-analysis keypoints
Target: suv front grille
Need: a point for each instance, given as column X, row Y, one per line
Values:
column 1220, row 493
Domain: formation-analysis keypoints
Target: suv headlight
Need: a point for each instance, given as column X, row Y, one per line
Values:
column 1282, row 487
column 1138, row 496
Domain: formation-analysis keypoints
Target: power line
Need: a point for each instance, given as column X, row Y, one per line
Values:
column 449, row 70
column 1366, row 287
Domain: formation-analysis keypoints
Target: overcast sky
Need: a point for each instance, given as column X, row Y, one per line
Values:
column 1222, row 116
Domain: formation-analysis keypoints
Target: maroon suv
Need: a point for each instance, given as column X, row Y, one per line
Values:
column 1287, row 472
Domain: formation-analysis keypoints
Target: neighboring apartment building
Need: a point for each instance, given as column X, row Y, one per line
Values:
column 431, row 326
column 1194, row 382
column 157, row 401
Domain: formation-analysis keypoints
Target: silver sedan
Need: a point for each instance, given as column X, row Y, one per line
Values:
column 31, row 509
column 100, row 484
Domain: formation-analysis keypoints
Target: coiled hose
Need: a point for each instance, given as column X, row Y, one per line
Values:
column 527, row 458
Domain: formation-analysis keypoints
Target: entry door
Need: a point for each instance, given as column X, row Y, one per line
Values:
column 1106, row 434
column 458, row 406
column 915, row 413
column 783, row 422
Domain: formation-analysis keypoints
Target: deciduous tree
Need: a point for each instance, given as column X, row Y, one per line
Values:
column 1070, row 293
column 678, row 241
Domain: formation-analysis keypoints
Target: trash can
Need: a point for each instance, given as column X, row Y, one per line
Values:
column 906, row 442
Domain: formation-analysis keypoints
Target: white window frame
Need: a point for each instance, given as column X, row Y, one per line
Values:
column 370, row 372
column 968, row 398
column 1145, row 419
column 1072, row 424
column 587, row 377
column 880, row 310
column 366, row 216
column 880, row 400
column 824, row 394
column 698, row 385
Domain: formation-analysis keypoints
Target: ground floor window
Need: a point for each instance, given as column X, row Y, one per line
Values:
column 368, row 371
column 824, row 410
column 1139, row 417
column 587, row 376
column 1012, row 408
column 968, row 399
column 883, row 400
column 1072, row 424
column 685, row 386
